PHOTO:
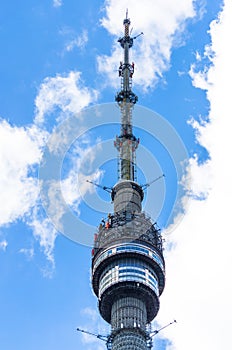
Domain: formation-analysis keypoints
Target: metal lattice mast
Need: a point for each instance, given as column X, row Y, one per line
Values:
column 126, row 143
column 128, row 269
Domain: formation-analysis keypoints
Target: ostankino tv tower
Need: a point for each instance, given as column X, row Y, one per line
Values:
column 128, row 269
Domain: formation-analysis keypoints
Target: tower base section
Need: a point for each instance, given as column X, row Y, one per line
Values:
column 128, row 312
column 129, row 339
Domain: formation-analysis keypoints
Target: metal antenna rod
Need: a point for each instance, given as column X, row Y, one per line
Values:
column 105, row 188
column 150, row 183
column 157, row 331
column 99, row 336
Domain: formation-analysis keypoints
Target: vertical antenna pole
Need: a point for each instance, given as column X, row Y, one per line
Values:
column 126, row 143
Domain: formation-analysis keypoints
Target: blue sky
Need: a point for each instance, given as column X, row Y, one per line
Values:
column 60, row 58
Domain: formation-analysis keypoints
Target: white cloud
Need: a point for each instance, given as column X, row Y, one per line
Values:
column 28, row 252
column 61, row 196
column 3, row 245
column 198, row 179
column 20, row 154
column 64, row 94
column 162, row 23
column 45, row 232
column 79, row 42
column 67, row 192
column 74, row 186
column 20, row 151
column 57, row 3
column 200, row 79
column 96, row 326
column 198, row 290
column 91, row 313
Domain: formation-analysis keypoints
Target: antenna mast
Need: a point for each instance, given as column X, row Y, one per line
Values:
column 126, row 143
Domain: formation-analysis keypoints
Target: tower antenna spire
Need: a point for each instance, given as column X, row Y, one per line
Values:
column 126, row 143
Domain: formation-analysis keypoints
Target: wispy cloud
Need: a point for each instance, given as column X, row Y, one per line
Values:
column 45, row 232
column 96, row 326
column 91, row 313
column 60, row 98
column 64, row 94
column 28, row 252
column 63, row 196
column 3, row 245
column 79, row 41
column 20, row 152
column 163, row 24
column 57, row 3
column 198, row 290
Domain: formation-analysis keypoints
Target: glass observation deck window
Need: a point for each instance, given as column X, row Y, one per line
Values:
column 129, row 270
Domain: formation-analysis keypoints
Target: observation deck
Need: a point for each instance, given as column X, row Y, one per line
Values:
column 128, row 261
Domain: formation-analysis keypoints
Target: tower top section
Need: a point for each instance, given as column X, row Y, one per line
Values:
column 126, row 38
column 126, row 70
column 126, row 143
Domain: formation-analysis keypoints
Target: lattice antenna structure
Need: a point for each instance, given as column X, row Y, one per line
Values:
column 128, row 267
column 126, row 143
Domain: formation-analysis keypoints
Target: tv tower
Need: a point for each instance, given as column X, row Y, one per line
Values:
column 128, row 268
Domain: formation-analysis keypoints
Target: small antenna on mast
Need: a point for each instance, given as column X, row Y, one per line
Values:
column 158, row 330
column 105, row 188
column 151, row 182
column 135, row 37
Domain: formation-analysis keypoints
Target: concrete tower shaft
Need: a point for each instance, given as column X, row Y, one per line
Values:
column 128, row 268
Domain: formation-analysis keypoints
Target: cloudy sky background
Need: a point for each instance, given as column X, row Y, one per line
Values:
column 59, row 57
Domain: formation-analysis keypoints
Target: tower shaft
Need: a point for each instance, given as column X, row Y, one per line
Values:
column 128, row 269
column 127, row 315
